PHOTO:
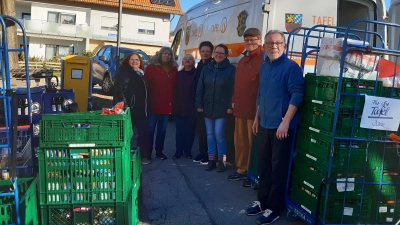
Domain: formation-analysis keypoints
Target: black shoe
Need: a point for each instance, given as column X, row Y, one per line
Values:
column 161, row 156
column 211, row 165
column 221, row 166
column 237, row 176
column 247, row 182
column 198, row 158
column 177, row 155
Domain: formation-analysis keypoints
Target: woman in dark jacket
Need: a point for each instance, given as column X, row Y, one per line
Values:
column 185, row 113
column 214, row 99
column 130, row 87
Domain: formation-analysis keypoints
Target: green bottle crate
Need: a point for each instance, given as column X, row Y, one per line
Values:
column 311, row 174
column 320, row 117
column 318, row 147
column 352, row 214
column 136, row 165
column 386, row 210
column 386, row 92
column 85, row 129
column 325, row 89
column 84, row 175
column 88, row 214
column 27, row 205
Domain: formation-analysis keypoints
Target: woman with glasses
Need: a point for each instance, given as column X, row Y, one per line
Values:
column 214, row 99
column 161, row 81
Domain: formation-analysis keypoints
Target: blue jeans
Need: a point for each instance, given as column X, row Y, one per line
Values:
column 185, row 129
column 216, row 137
column 161, row 121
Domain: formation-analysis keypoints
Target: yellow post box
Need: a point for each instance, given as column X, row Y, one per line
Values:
column 76, row 75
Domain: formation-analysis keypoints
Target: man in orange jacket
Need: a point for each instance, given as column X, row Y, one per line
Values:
column 244, row 101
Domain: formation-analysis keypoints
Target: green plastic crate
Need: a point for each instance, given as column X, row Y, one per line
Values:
column 312, row 175
column 321, row 117
column 27, row 205
column 88, row 214
column 385, row 209
column 325, row 89
column 136, row 165
column 352, row 214
column 84, row 175
column 85, row 129
column 386, row 92
column 318, row 148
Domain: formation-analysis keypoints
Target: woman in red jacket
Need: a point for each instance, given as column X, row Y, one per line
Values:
column 160, row 76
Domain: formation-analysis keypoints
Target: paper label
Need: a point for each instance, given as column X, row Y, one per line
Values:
column 314, row 129
column 305, row 208
column 308, row 184
column 347, row 211
column 381, row 113
column 82, row 145
column 341, row 187
column 383, row 209
column 318, row 102
column 391, row 210
column 313, row 140
column 311, row 157
column 388, row 219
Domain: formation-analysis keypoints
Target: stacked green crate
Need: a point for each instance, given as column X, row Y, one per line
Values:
column 357, row 161
column 84, row 164
column 27, row 202
column 136, row 170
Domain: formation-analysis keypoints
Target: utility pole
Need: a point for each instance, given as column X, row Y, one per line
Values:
column 119, row 31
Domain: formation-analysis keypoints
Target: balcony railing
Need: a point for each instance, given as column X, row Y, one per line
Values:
column 50, row 28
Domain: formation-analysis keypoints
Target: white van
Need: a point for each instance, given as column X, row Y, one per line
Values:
column 224, row 21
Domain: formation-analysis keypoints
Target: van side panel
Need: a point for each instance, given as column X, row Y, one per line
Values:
column 225, row 23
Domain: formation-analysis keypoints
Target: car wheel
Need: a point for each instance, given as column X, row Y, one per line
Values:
column 107, row 85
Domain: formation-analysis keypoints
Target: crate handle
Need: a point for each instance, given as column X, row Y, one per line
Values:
column 81, row 126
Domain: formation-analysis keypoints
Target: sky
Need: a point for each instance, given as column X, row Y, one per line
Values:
column 187, row 4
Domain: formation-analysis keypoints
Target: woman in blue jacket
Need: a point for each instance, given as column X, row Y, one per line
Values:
column 214, row 99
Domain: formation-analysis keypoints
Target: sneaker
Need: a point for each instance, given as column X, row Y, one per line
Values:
column 236, row 176
column 255, row 209
column 198, row 158
column 267, row 218
column 146, row 161
column 247, row 182
column 204, row 161
column 161, row 156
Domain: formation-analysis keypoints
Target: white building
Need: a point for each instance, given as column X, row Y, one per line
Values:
column 60, row 27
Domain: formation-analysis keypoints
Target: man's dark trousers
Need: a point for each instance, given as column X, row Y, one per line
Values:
column 273, row 165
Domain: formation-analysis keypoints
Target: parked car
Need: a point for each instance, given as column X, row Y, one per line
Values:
column 104, row 65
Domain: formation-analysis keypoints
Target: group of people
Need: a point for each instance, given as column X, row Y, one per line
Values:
column 263, row 93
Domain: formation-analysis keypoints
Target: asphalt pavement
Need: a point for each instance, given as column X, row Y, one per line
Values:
column 180, row 192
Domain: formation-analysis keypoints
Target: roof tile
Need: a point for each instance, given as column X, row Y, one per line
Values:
column 144, row 5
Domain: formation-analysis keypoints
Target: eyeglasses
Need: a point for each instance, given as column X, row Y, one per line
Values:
column 272, row 44
column 219, row 53
column 251, row 40
column 166, row 53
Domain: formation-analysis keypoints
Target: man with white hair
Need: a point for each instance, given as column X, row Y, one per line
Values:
column 279, row 95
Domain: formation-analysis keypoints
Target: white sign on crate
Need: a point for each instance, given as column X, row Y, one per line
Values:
column 381, row 113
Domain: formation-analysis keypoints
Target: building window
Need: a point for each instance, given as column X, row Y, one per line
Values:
column 64, row 18
column 26, row 16
column 58, row 50
column 109, row 23
column 146, row 27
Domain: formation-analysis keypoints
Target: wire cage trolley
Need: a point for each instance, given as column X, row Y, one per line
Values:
column 12, row 138
column 345, row 172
